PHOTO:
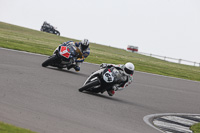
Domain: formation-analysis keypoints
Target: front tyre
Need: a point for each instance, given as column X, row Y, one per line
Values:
column 89, row 85
column 49, row 61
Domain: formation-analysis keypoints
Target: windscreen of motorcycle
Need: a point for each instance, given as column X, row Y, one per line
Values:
column 108, row 77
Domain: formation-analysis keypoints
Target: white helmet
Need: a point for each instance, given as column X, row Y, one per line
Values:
column 129, row 68
column 84, row 44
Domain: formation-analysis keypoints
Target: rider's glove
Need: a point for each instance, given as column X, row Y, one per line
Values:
column 103, row 65
column 79, row 60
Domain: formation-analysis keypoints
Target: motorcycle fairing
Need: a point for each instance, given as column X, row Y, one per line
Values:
column 65, row 52
column 108, row 76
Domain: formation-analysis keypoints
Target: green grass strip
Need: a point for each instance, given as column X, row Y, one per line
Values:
column 20, row 38
column 7, row 128
column 196, row 128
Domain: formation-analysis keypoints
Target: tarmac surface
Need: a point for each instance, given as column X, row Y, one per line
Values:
column 47, row 100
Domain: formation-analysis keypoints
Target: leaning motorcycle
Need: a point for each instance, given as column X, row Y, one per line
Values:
column 63, row 57
column 101, row 80
column 50, row 29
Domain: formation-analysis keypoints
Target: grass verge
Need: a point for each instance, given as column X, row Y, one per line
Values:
column 20, row 38
column 7, row 128
column 196, row 128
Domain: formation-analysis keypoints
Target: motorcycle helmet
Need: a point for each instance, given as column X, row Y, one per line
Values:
column 84, row 44
column 129, row 68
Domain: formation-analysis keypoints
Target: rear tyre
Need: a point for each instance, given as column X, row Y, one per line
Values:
column 49, row 61
column 89, row 85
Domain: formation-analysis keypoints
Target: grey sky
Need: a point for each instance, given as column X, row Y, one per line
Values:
column 164, row 27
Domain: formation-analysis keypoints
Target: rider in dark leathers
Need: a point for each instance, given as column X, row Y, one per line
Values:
column 83, row 50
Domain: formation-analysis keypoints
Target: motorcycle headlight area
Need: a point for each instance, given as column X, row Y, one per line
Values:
column 108, row 77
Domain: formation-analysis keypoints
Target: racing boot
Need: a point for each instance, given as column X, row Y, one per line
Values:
column 111, row 92
column 76, row 68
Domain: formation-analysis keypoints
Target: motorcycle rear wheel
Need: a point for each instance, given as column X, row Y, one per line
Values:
column 89, row 85
column 49, row 61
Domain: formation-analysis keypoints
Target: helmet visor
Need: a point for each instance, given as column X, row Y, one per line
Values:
column 128, row 71
column 84, row 47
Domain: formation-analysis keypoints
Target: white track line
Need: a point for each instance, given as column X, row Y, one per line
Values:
column 179, row 120
column 172, row 126
column 149, row 119
column 198, row 117
column 22, row 51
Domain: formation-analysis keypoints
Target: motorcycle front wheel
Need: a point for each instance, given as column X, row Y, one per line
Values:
column 57, row 33
column 89, row 85
column 49, row 61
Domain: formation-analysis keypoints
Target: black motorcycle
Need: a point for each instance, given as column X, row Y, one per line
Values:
column 102, row 80
column 49, row 29
column 63, row 57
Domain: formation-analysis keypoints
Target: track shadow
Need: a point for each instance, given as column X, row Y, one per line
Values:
column 99, row 95
column 68, row 71
column 115, row 99
column 109, row 98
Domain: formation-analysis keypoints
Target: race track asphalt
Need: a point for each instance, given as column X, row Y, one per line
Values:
column 47, row 100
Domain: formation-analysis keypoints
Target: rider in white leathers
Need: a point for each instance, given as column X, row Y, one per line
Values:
column 126, row 71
